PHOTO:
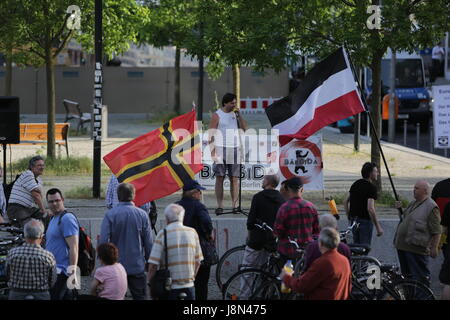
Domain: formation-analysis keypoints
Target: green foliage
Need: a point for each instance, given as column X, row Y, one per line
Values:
column 122, row 20
column 162, row 117
column 82, row 132
column 83, row 193
column 59, row 166
column 387, row 198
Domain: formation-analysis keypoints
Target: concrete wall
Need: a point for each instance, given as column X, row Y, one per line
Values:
column 135, row 90
column 231, row 232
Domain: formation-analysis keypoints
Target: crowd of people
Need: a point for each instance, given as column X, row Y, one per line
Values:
column 130, row 256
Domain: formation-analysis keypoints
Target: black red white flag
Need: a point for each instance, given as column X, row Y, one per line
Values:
column 327, row 94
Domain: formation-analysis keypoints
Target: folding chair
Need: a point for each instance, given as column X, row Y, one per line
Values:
column 73, row 111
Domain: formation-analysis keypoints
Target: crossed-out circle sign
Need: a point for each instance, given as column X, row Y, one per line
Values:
column 293, row 162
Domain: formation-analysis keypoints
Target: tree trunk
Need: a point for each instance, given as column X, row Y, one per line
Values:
column 376, row 114
column 8, row 75
column 237, row 83
column 177, row 107
column 51, row 102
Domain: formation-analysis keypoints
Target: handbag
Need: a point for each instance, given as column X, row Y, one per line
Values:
column 210, row 256
column 160, row 284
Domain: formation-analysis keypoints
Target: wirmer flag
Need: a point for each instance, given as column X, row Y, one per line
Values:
column 160, row 162
column 327, row 94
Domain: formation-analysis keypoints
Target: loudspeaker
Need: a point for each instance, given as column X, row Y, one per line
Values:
column 9, row 120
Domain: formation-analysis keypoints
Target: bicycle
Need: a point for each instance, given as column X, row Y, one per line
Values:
column 7, row 243
column 231, row 260
column 261, row 283
column 393, row 285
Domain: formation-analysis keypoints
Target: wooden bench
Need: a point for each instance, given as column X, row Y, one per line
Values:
column 36, row 133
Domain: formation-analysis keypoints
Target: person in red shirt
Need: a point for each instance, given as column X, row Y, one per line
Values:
column 296, row 219
column 329, row 277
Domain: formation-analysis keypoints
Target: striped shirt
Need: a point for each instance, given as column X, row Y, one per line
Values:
column 21, row 191
column 183, row 249
column 111, row 198
column 30, row 267
column 2, row 201
column 298, row 219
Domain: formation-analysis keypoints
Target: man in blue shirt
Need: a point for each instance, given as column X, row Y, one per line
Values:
column 128, row 227
column 62, row 241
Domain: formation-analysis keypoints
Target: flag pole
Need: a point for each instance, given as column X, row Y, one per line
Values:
column 374, row 133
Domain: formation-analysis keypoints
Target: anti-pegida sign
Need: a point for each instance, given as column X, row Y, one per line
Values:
column 303, row 158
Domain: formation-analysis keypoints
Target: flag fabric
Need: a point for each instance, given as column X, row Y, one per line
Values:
column 441, row 195
column 327, row 94
column 160, row 162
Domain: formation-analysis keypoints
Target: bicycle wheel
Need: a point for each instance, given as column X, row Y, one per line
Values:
column 406, row 289
column 361, row 264
column 229, row 264
column 252, row 284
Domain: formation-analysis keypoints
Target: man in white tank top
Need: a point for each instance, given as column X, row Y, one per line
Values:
column 224, row 144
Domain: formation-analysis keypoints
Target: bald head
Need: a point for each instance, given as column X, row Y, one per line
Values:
column 422, row 190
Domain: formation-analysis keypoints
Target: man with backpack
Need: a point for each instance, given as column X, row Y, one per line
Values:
column 62, row 240
column 26, row 194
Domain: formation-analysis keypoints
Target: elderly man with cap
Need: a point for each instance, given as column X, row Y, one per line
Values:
column 418, row 234
column 196, row 216
column 296, row 219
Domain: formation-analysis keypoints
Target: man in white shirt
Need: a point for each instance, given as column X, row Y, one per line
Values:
column 26, row 194
column 437, row 56
column 224, row 144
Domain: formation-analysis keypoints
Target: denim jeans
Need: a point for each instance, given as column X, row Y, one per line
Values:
column 362, row 234
column 137, row 284
column 60, row 290
column 175, row 294
column 414, row 266
column 23, row 295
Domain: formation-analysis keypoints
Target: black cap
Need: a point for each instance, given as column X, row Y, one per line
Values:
column 294, row 183
column 191, row 185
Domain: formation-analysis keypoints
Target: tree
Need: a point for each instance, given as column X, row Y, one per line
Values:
column 323, row 25
column 9, row 38
column 171, row 22
column 243, row 33
column 44, row 35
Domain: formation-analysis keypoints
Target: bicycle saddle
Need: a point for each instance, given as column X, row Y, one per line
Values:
column 359, row 249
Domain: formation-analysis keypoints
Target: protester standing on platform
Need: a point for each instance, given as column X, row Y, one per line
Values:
column 224, row 141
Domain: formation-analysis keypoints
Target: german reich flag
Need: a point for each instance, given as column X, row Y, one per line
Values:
column 160, row 162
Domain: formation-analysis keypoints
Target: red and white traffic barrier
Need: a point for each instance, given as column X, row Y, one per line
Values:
column 256, row 105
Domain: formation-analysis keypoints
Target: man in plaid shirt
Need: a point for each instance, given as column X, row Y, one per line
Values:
column 296, row 219
column 31, row 270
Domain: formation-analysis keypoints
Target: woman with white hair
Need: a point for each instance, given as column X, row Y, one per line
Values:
column 312, row 251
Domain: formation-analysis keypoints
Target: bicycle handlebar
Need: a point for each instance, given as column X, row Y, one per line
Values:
column 13, row 230
column 263, row 226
